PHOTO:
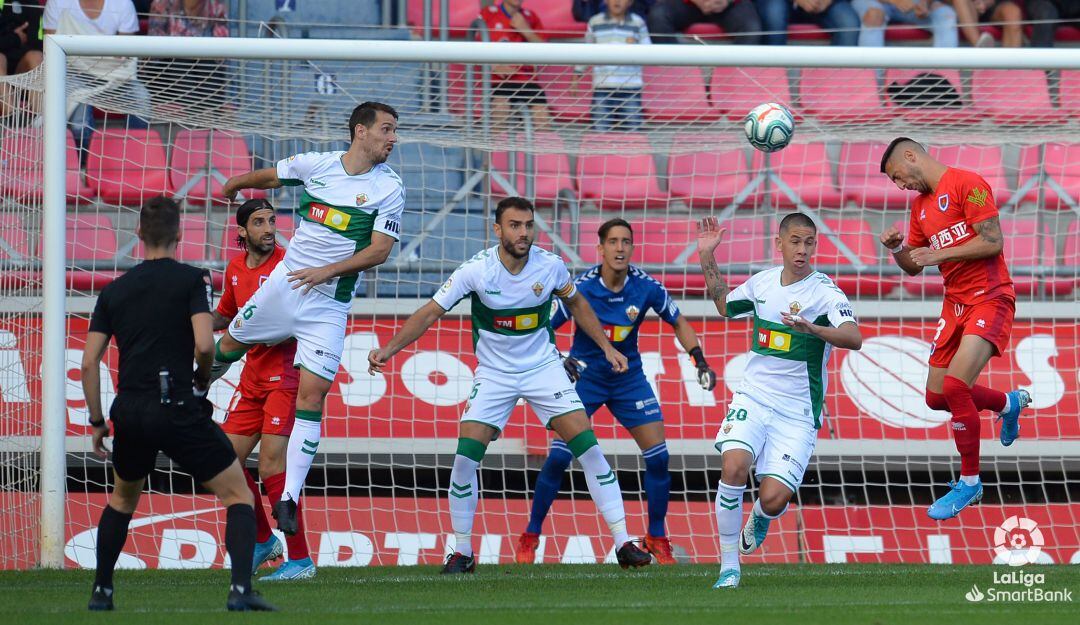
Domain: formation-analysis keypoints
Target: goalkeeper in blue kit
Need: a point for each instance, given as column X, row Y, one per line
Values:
column 620, row 294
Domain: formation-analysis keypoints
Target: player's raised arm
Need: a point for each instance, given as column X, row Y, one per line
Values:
column 893, row 240
column 414, row 328
column 846, row 335
column 709, row 236
column 266, row 178
column 586, row 319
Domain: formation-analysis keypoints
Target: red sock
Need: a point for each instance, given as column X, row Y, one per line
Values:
column 965, row 423
column 297, row 543
column 936, row 401
column 262, row 525
column 987, row 398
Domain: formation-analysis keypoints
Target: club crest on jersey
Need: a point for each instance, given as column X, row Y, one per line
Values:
column 235, row 280
column 795, row 307
column 632, row 313
column 943, row 202
column 538, row 289
column 361, row 199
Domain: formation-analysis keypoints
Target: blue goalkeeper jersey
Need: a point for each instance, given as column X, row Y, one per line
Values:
column 620, row 315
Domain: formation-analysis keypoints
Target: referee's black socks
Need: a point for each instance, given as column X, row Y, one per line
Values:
column 111, row 536
column 240, row 543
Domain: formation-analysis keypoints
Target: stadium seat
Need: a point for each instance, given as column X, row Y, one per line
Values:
column 193, row 243
column 456, row 94
column 983, row 160
column 557, row 20
column 432, row 174
column 676, row 94
column 21, row 172
column 618, row 171
column 862, row 182
column 929, row 113
column 796, row 32
column 1013, row 97
column 550, row 168
column 806, row 169
column 230, row 249
column 1061, row 163
column 857, row 235
column 14, row 237
column 461, row 14
column 1070, row 261
column 842, row 96
column 566, row 101
column 202, row 158
column 710, row 179
column 127, row 166
column 1069, row 92
column 91, row 243
column 736, row 90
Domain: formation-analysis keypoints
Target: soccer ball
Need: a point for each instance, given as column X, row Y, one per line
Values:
column 769, row 127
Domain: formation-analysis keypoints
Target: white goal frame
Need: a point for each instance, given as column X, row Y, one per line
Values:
column 58, row 48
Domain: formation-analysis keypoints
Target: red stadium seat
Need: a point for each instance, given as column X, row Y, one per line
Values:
column 567, row 101
column 676, row 94
column 618, row 171
column 983, row 160
column 193, row 242
column 709, row 179
column 1069, row 92
column 14, row 237
column 1061, row 162
column 1013, row 97
column 858, row 237
column 735, row 90
column 462, row 13
column 1071, row 259
column 806, row 169
column 929, row 114
column 91, row 239
column 862, row 182
column 229, row 248
column 551, row 168
column 796, row 32
column 127, row 166
column 21, row 172
column 558, row 20
column 456, row 94
column 202, row 156
column 842, row 96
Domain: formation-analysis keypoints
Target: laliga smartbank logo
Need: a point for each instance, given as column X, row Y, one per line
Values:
column 1018, row 541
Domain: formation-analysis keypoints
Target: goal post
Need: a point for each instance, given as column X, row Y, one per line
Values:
column 437, row 131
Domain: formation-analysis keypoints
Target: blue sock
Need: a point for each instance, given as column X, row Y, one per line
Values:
column 548, row 484
column 657, row 487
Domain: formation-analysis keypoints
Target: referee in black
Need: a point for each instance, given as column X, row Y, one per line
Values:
column 159, row 312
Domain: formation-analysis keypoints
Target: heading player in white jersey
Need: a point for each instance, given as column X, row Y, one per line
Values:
column 351, row 207
column 772, row 420
column 511, row 286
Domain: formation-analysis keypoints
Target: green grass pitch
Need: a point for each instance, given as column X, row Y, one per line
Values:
column 552, row 595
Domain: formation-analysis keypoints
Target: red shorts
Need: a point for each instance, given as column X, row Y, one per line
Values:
column 992, row 320
column 254, row 411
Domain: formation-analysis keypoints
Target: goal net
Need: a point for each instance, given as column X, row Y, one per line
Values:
column 661, row 156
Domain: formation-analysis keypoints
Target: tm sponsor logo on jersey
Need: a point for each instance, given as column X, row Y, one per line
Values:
column 953, row 234
column 518, row 322
column 617, row 334
column 329, row 216
column 780, row 341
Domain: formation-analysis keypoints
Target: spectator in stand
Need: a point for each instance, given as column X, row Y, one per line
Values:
column 20, row 44
column 616, row 88
column 515, row 84
column 1005, row 14
column 934, row 15
column 738, row 18
column 1047, row 16
column 187, row 81
column 836, row 16
column 92, row 77
column 583, row 10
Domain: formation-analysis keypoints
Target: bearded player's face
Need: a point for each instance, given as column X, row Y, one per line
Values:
column 378, row 141
column 516, row 229
column 906, row 175
column 260, row 232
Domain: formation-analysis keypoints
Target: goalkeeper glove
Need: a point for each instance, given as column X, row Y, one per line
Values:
column 706, row 377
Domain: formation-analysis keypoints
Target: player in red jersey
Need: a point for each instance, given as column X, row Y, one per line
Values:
column 954, row 225
column 263, row 407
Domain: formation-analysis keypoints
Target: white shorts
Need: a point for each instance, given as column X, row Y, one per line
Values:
column 277, row 312
column 781, row 446
column 547, row 389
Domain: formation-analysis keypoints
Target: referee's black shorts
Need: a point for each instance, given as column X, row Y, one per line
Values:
column 183, row 430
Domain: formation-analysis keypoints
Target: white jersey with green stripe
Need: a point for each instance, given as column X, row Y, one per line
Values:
column 786, row 370
column 339, row 212
column 511, row 313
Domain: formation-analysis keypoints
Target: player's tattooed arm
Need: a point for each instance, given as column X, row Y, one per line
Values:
column 709, row 236
column 987, row 243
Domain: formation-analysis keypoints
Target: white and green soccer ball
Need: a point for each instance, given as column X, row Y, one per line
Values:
column 769, row 127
